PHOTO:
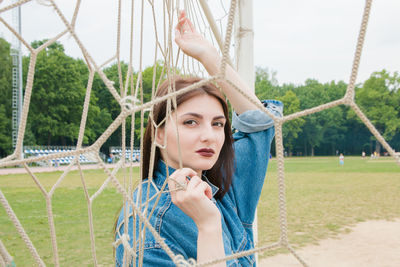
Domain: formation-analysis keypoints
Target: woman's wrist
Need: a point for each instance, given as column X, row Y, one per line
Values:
column 210, row 225
column 211, row 60
column 210, row 245
column 211, row 229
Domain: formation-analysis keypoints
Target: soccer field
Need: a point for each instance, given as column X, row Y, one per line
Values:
column 323, row 199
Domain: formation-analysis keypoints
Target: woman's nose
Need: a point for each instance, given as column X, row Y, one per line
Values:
column 207, row 134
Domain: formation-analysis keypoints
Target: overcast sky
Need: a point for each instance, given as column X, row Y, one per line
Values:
column 298, row 39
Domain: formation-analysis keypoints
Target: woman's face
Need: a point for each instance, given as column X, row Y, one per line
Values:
column 200, row 122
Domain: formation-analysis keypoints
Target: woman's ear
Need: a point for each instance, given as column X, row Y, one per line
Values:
column 160, row 134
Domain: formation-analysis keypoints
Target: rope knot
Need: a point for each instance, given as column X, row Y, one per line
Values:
column 180, row 261
column 128, row 103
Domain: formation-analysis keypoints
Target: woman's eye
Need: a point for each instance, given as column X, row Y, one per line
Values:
column 219, row 124
column 190, row 122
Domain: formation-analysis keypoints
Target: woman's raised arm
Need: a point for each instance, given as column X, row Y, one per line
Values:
column 195, row 45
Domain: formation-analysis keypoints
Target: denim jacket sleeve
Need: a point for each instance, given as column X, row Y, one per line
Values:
column 252, row 146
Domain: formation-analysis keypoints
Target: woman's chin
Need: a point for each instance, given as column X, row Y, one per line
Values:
column 202, row 166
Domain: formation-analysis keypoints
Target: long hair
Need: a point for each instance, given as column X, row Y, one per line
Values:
column 221, row 173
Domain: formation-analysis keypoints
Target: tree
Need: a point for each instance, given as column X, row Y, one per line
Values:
column 110, row 108
column 5, row 99
column 147, row 78
column 312, row 94
column 108, row 105
column 292, row 128
column 380, row 101
column 57, row 96
column 266, row 85
column 335, row 125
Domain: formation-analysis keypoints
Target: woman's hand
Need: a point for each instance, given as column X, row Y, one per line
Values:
column 195, row 45
column 192, row 196
column 194, row 200
column 191, row 42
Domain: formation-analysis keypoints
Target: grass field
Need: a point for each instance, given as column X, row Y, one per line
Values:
column 323, row 199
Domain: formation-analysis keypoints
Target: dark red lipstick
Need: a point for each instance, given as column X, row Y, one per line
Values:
column 206, row 152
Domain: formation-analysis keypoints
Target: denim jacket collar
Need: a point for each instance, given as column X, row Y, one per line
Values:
column 161, row 174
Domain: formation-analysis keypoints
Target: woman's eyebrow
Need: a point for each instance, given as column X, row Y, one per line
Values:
column 197, row 115
column 219, row 117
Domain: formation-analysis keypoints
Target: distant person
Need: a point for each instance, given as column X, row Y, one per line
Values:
column 363, row 154
column 341, row 159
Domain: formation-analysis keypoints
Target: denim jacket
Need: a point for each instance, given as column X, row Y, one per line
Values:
column 252, row 145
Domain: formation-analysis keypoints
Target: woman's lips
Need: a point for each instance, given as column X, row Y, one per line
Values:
column 205, row 152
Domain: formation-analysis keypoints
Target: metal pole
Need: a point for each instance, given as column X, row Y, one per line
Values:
column 16, row 55
column 244, row 39
column 244, row 59
column 17, row 94
column 20, row 84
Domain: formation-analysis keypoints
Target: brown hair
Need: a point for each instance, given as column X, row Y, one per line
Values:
column 221, row 173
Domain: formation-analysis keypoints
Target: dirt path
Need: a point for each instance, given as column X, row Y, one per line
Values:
column 370, row 244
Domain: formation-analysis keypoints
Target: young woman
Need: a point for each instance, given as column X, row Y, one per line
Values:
column 206, row 209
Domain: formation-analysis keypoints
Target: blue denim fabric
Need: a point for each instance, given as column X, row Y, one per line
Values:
column 252, row 148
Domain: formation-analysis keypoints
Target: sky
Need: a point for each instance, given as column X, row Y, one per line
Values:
column 297, row 39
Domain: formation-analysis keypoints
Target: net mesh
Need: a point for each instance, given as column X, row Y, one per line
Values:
column 217, row 26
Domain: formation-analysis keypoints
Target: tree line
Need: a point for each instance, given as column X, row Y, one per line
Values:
column 336, row 130
column 60, row 83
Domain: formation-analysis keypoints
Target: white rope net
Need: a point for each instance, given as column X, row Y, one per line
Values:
column 164, row 16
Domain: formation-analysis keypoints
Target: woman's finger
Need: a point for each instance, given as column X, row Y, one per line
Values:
column 191, row 26
column 177, row 180
column 184, row 23
column 205, row 188
column 182, row 18
column 193, row 182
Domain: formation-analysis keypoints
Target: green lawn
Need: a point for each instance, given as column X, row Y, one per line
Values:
column 323, row 199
